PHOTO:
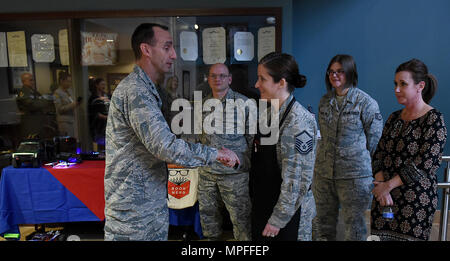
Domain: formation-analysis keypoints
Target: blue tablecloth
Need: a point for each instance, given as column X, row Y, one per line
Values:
column 187, row 217
column 35, row 196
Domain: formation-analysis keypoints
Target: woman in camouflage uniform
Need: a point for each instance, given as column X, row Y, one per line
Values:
column 281, row 173
column 350, row 125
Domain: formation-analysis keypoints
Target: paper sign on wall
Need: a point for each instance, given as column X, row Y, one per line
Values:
column 243, row 46
column 3, row 50
column 188, row 46
column 42, row 46
column 214, row 49
column 98, row 48
column 17, row 49
column 63, row 47
column 266, row 41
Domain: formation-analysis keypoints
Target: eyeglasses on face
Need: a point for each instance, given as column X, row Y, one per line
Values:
column 220, row 76
column 338, row 72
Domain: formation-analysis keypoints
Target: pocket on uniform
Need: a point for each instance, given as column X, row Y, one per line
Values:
column 120, row 203
column 325, row 117
column 363, row 187
column 350, row 118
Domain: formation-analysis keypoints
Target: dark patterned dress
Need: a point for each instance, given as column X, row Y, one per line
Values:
column 412, row 150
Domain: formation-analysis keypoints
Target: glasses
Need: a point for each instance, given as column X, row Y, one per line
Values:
column 220, row 76
column 338, row 72
column 176, row 172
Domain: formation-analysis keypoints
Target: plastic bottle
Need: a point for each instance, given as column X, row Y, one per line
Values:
column 388, row 214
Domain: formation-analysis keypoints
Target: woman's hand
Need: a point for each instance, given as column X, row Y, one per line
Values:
column 385, row 200
column 381, row 192
column 270, row 231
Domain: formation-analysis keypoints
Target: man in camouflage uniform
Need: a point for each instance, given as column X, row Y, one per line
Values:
column 38, row 112
column 139, row 143
column 219, row 185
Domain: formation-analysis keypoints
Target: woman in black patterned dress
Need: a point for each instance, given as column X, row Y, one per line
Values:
column 407, row 158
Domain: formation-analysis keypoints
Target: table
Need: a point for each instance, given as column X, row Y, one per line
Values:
column 58, row 195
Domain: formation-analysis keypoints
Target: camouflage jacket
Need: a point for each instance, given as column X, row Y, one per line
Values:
column 295, row 155
column 349, row 136
column 30, row 101
column 64, row 105
column 138, row 145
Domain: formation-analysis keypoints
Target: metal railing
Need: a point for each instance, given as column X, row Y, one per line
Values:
column 445, row 200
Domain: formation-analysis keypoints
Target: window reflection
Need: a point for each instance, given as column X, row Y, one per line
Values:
column 28, row 79
column 49, row 97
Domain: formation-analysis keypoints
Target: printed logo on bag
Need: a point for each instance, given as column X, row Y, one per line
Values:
column 304, row 143
column 178, row 185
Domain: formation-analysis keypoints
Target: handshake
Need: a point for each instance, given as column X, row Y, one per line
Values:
column 228, row 157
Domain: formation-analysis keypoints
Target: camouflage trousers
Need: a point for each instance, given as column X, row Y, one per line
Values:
column 230, row 190
column 353, row 196
column 147, row 221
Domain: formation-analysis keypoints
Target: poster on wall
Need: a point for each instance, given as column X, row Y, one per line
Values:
column 17, row 49
column 113, row 79
column 98, row 48
column 266, row 41
column 3, row 50
column 214, row 48
column 63, row 47
column 188, row 46
column 244, row 46
column 42, row 46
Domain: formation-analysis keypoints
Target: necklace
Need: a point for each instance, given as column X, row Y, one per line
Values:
column 413, row 115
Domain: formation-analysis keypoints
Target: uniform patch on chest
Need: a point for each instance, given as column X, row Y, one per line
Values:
column 304, row 142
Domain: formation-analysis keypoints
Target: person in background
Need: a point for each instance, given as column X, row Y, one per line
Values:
column 407, row 158
column 219, row 185
column 139, row 143
column 65, row 105
column 166, row 103
column 38, row 111
column 171, row 87
column 168, row 95
column 281, row 173
column 350, row 125
column 203, row 86
column 98, row 106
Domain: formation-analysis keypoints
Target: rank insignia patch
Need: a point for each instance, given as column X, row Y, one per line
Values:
column 378, row 116
column 304, row 143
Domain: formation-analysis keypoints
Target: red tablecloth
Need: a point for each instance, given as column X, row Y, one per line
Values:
column 86, row 182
